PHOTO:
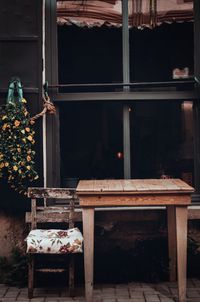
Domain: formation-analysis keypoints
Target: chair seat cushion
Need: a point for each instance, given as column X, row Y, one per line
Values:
column 54, row 241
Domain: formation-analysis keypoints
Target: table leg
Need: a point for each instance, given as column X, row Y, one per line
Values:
column 88, row 234
column 181, row 234
column 171, row 224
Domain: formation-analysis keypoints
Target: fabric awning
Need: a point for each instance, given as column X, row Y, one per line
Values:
column 142, row 13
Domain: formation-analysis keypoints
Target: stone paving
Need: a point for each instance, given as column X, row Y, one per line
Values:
column 130, row 292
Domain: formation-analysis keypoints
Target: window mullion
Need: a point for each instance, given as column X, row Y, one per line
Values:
column 126, row 79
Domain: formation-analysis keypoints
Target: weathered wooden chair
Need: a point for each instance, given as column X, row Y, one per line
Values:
column 66, row 241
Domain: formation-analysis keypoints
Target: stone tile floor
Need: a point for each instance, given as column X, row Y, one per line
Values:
column 130, row 292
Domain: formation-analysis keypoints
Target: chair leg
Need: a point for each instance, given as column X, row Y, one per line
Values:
column 30, row 276
column 71, row 275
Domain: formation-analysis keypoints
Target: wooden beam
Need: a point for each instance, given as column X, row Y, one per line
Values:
column 122, row 215
column 60, row 193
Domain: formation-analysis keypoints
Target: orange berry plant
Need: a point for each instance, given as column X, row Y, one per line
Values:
column 17, row 146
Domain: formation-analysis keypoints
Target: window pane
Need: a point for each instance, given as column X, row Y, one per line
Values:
column 161, row 40
column 162, row 140
column 90, row 51
column 154, row 54
column 91, row 140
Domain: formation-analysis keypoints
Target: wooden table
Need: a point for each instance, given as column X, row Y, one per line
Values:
column 172, row 193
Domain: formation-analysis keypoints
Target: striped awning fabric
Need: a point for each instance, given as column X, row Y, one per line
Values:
column 142, row 13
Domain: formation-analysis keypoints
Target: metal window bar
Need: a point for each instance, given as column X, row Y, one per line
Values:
column 125, row 84
column 191, row 81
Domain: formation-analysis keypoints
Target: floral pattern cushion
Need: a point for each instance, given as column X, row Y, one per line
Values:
column 54, row 241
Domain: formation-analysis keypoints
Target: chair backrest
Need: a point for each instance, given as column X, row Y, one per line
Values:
column 53, row 214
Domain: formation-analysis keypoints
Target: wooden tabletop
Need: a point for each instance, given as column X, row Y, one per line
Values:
column 133, row 186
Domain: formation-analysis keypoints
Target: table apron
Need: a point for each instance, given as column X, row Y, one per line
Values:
column 103, row 200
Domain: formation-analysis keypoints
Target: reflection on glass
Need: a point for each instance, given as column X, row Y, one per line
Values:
column 150, row 14
column 161, row 40
column 89, row 42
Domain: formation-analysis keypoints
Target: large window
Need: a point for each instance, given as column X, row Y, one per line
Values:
column 159, row 40
column 125, row 78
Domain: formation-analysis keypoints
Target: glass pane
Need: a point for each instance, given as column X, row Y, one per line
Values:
column 91, row 140
column 162, row 140
column 160, row 48
column 89, row 42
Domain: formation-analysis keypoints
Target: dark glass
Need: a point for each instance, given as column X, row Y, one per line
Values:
column 89, row 55
column 91, row 140
column 162, row 140
column 155, row 53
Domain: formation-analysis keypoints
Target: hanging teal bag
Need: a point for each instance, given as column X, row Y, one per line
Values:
column 15, row 92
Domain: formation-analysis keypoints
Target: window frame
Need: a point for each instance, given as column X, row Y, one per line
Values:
column 51, row 53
